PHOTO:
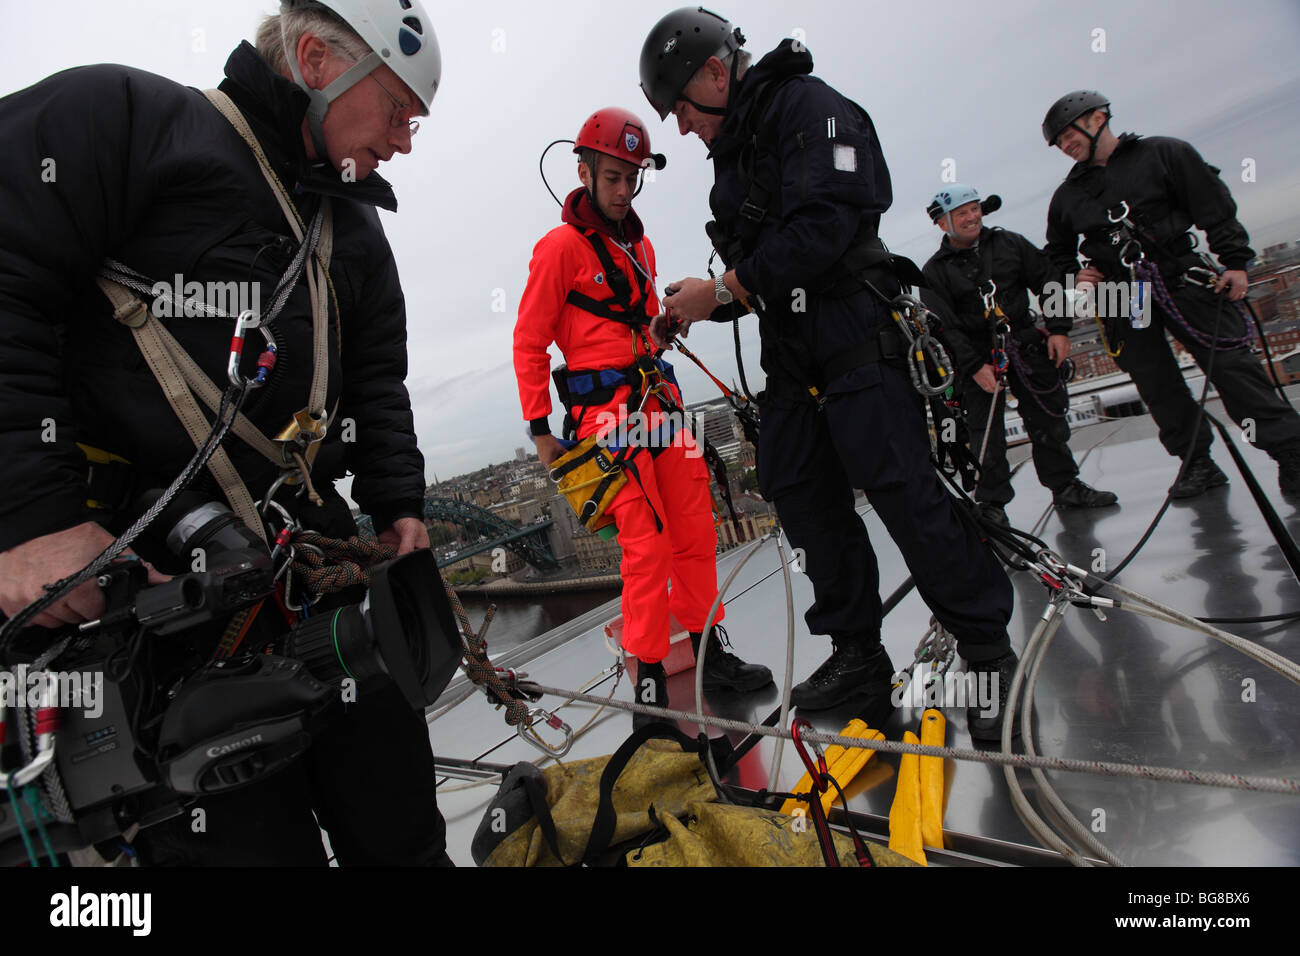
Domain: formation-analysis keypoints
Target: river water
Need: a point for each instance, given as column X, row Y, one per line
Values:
column 521, row 618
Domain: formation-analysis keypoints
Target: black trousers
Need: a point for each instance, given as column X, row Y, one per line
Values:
column 874, row 438
column 1241, row 381
column 1049, row 433
column 369, row 778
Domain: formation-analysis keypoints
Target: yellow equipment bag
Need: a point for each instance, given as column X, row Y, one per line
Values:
column 590, row 477
column 643, row 806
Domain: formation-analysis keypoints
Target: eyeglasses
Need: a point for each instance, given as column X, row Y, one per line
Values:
column 396, row 121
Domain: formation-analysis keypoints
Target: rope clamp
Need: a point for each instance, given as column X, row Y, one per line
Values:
column 518, row 684
column 552, row 721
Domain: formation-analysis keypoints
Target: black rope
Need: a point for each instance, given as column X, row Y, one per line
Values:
column 1187, row 458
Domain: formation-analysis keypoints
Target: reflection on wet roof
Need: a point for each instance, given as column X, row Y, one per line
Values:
column 1127, row 689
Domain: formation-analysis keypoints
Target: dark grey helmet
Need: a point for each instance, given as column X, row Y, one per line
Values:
column 1068, row 109
column 677, row 47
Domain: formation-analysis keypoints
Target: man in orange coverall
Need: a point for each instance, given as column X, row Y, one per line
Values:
column 591, row 292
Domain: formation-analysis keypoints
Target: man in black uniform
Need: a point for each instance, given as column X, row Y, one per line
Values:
column 979, row 282
column 1133, row 200
column 800, row 185
column 150, row 173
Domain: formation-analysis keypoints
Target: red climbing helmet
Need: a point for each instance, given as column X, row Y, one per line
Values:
column 619, row 133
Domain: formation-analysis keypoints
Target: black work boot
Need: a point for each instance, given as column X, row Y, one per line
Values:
column 1200, row 476
column 856, row 673
column 1078, row 495
column 651, row 689
column 994, row 513
column 724, row 670
column 1288, row 468
column 982, row 724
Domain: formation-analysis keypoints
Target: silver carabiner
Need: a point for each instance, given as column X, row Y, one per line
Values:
column 1122, row 217
column 248, row 319
column 552, row 721
column 990, row 298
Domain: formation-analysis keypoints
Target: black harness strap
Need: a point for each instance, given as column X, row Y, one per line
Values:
column 620, row 287
column 986, row 262
column 887, row 347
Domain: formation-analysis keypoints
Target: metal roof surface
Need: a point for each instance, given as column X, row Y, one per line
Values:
column 1129, row 689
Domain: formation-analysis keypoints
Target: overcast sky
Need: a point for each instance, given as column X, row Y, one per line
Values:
column 943, row 80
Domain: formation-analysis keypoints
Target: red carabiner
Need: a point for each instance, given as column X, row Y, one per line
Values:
column 820, row 774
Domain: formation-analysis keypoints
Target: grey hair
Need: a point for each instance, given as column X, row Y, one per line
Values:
column 742, row 59
column 315, row 20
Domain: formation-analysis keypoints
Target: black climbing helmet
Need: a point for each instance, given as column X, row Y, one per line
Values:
column 1068, row 109
column 677, row 47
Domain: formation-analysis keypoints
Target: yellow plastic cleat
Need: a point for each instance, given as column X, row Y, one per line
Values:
column 933, row 728
column 905, row 814
column 842, row 763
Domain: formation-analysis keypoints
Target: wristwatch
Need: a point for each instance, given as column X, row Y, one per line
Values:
column 721, row 292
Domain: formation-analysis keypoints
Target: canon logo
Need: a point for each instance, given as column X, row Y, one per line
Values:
column 232, row 747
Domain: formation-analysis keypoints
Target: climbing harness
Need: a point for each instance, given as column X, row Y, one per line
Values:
column 1150, row 274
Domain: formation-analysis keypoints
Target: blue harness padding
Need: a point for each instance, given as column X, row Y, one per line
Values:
column 598, row 386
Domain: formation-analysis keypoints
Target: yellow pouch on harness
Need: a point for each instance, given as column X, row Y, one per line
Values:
column 590, row 476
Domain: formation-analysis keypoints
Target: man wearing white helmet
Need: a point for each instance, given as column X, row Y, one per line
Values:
column 268, row 187
column 979, row 282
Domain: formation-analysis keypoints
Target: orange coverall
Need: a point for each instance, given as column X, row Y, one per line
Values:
column 674, row 479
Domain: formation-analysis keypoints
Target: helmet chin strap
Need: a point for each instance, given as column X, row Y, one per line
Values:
column 321, row 99
column 1092, row 137
column 701, row 108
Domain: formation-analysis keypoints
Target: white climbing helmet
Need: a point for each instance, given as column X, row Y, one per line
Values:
column 400, row 36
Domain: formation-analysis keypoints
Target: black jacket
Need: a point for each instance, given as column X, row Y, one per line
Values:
column 955, row 275
column 147, row 172
column 1168, row 188
column 833, row 185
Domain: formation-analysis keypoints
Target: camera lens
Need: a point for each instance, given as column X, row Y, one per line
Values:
column 336, row 644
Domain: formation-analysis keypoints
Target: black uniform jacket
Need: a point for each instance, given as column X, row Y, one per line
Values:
column 823, row 152
column 113, row 162
column 955, row 276
column 1168, row 188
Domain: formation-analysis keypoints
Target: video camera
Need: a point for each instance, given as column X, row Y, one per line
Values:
column 223, row 724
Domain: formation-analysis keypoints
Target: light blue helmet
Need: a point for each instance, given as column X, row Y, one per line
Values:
column 946, row 200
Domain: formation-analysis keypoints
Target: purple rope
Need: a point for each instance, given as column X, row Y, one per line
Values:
column 1017, row 363
column 1148, row 272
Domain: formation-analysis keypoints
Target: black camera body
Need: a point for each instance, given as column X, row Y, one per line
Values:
column 143, row 751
